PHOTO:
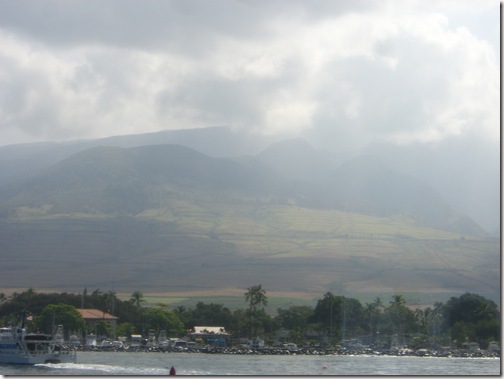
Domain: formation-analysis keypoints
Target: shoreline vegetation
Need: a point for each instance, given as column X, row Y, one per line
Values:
column 236, row 350
column 468, row 325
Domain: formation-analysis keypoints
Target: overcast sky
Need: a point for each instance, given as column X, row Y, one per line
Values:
column 342, row 72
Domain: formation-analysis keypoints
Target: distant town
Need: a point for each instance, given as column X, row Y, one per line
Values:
column 464, row 326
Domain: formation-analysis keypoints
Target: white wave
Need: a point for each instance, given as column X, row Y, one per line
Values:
column 107, row 369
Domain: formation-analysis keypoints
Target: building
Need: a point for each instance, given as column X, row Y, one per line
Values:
column 210, row 335
column 93, row 316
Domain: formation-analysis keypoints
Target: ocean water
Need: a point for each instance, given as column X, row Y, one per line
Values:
column 142, row 364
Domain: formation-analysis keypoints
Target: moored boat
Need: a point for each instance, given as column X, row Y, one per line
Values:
column 19, row 347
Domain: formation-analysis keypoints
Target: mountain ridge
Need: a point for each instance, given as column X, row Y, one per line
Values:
column 456, row 181
column 168, row 217
column 362, row 185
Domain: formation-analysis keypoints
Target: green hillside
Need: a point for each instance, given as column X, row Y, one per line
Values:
column 168, row 219
column 286, row 249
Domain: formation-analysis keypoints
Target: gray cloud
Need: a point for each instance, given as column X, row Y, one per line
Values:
column 161, row 23
column 416, row 74
column 354, row 71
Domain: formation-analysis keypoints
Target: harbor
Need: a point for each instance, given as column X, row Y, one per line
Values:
column 320, row 351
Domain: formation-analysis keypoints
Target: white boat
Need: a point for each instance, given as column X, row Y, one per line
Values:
column 19, row 347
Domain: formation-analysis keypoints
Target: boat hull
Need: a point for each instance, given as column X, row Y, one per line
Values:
column 32, row 359
column 18, row 347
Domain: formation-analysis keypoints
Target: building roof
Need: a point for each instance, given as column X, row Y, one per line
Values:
column 209, row 330
column 95, row 314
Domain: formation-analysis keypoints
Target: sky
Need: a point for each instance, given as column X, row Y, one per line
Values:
column 343, row 73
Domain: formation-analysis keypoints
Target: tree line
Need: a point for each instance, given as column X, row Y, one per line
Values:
column 334, row 319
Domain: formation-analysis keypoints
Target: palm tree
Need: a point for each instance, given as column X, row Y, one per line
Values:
column 371, row 313
column 378, row 303
column 377, row 306
column 137, row 298
column 398, row 301
column 256, row 298
column 436, row 318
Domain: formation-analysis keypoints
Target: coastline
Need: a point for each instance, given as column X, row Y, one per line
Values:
column 452, row 353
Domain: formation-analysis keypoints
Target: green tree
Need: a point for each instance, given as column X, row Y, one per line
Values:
column 256, row 299
column 434, row 321
column 111, row 300
column 470, row 309
column 185, row 316
column 137, row 298
column 399, row 319
column 295, row 319
column 264, row 324
column 102, row 329
column 472, row 317
column 159, row 319
column 208, row 315
column 83, row 299
column 125, row 329
column 331, row 314
column 373, row 315
column 240, row 324
column 59, row 314
column 353, row 318
column 460, row 333
column 97, row 300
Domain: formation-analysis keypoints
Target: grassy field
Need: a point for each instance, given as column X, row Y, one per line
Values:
column 171, row 301
column 209, row 251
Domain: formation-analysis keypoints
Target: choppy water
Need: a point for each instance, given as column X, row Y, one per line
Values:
column 141, row 364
